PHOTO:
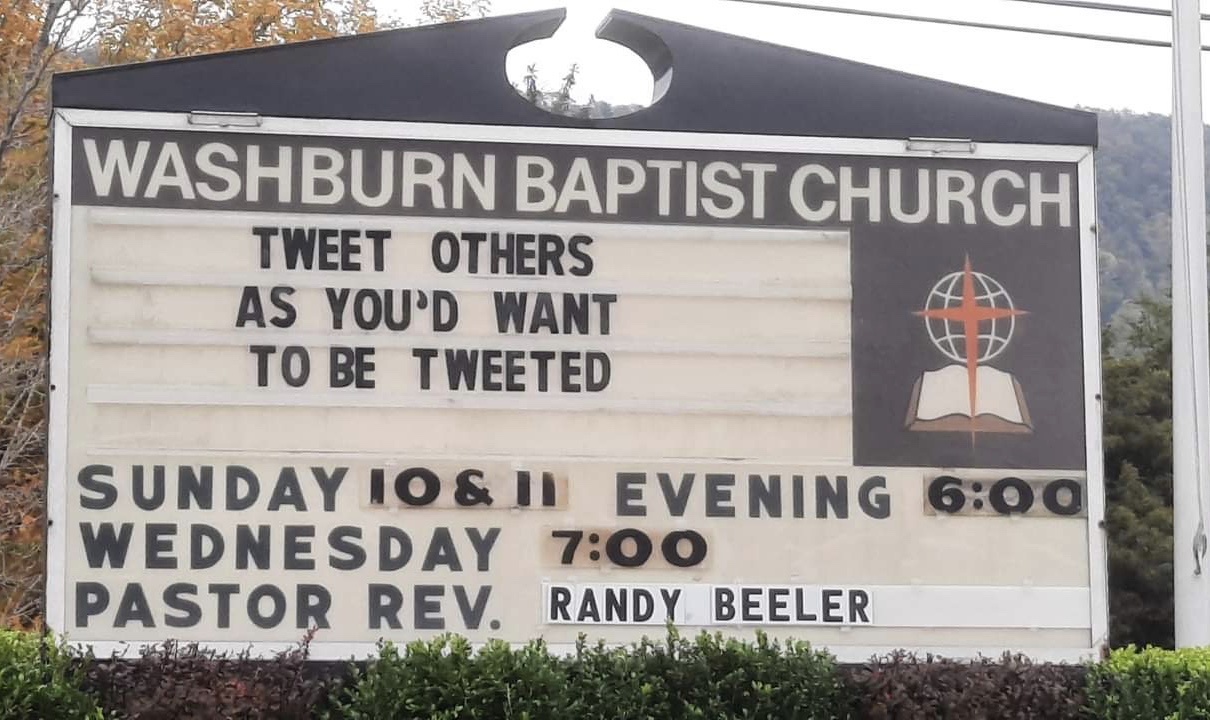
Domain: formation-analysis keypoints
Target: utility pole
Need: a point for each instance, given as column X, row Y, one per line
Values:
column 1190, row 353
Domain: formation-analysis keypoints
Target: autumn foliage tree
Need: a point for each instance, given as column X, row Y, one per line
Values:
column 38, row 38
column 138, row 30
column 35, row 38
column 452, row 10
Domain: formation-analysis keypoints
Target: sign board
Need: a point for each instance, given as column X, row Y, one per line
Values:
column 389, row 379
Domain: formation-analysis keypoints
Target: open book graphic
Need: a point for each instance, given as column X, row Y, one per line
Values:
column 941, row 402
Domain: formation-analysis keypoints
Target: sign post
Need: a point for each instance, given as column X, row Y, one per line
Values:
column 390, row 377
column 1190, row 359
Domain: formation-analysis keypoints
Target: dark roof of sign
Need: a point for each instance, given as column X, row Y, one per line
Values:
column 706, row 81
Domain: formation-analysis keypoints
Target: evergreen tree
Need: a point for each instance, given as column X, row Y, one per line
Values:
column 1137, row 385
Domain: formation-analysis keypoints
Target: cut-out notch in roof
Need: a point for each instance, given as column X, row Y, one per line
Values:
column 706, row 81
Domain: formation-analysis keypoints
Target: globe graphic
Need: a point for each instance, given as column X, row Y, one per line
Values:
column 949, row 335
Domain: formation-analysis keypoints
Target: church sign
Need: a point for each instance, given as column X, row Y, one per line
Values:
column 390, row 364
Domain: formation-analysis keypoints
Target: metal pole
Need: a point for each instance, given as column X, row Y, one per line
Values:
column 1190, row 361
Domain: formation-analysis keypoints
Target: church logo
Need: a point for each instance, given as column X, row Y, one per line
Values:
column 970, row 319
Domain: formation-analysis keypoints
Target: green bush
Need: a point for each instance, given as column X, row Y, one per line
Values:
column 40, row 678
column 712, row 677
column 443, row 679
column 1151, row 683
column 617, row 680
column 708, row 677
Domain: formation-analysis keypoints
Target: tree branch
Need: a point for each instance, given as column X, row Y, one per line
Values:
column 34, row 72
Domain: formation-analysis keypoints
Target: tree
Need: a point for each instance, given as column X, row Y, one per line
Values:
column 1137, row 385
column 560, row 100
column 35, row 39
column 34, row 36
column 438, row 11
column 136, row 30
column 532, row 93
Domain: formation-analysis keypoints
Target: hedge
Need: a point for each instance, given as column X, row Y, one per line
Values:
column 706, row 676
column 41, row 679
column 1153, row 683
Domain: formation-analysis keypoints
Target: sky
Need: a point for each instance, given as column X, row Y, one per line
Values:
column 1061, row 71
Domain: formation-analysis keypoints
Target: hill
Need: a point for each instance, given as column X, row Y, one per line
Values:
column 1133, row 166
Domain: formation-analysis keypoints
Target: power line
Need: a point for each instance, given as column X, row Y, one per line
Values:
column 1109, row 7
column 961, row 23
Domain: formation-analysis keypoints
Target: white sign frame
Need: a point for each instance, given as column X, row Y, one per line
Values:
column 65, row 119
